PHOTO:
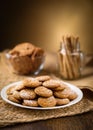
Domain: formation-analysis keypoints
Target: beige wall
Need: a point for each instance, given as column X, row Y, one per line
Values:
column 44, row 23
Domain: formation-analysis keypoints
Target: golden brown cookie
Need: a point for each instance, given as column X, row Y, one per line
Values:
column 62, row 101
column 61, row 87
column 37, row 52
column 62, row 93
column 10, row 90
column 27, row 94
column 26, row 58
column 51, row 84
column 23, row 49
column 72, row 95
column 58, row 88
column 31, row 103
column 16, row 95
column 43, row 78
column 43, row 91
column 47, row 102
column 19, row 86
column 13, row 99
column 31, row 82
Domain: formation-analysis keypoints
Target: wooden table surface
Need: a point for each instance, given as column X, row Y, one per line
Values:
column 77, row 122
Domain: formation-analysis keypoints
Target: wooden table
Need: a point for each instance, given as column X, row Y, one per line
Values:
column 78, row 122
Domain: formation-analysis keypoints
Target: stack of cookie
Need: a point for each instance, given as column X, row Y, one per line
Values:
column 41, row 91
column 26, row 58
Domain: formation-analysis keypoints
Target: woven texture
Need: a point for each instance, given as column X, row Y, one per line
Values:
column 10, row 114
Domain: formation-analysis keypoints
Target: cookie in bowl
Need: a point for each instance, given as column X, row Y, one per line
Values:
column 26, row 58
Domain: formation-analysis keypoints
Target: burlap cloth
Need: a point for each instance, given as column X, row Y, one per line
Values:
column 10, row 114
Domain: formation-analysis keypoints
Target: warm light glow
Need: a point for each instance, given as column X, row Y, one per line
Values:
column 43, row 23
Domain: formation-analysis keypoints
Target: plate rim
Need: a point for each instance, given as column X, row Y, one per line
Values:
column 73, row 87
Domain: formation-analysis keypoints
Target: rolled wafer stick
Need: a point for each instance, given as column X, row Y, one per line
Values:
column 77, row 44
column 77, row 69
column 64, row 68
column 69, row 67
column 67, row 47
column 68, row 59
column 72, row 39
column 69, row 44
column 71, row 60
column 60, row 62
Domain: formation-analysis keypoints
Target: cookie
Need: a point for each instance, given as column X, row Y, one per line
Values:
column 10, row 90
column 20, row 86
column 72, row 95
column 47, row 102
column 37, row 52
column 62, row 101
column 23, row 49
column 51, row 83
column 43, row 78
column 31, row 82
column 13, row 99
column 61, row 87
column 63, row 93
column 25, row 58
column 27, row 94
column 43, row 91
column 31, row 103
column 16, row 95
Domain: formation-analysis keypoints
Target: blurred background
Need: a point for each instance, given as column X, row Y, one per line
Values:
column 43, row 22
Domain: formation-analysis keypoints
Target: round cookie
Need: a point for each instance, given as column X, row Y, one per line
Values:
column 72, row 95
column 13, row 99
column 31, row 82
column 31, row 103
column 61, row 87
column 63, row 93
column 10, row 90
column 27, row 94
column 62, row 101
column 47, row 102
column 51, row 84
column 23, row 49
column 19, row 86
column 16, row 94
column 43, row 91
column 43, row 78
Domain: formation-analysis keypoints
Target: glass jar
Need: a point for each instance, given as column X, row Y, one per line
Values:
column 71, row 62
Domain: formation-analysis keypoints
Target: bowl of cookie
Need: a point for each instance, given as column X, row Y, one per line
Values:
column 26, row 58
column 41, row 92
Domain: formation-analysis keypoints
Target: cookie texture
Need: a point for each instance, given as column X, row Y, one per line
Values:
column 47, row 102
column 43, row 91
column 27, row 94
column 63, row 93
column 63, row 101
column 16, row 95
column 72, row 95
column 31, row 103
column 13, row 99
column 51, row 83
column 43, row 78
column 31, row 82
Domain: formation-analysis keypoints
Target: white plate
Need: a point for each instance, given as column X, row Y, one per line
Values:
column 74, row 88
